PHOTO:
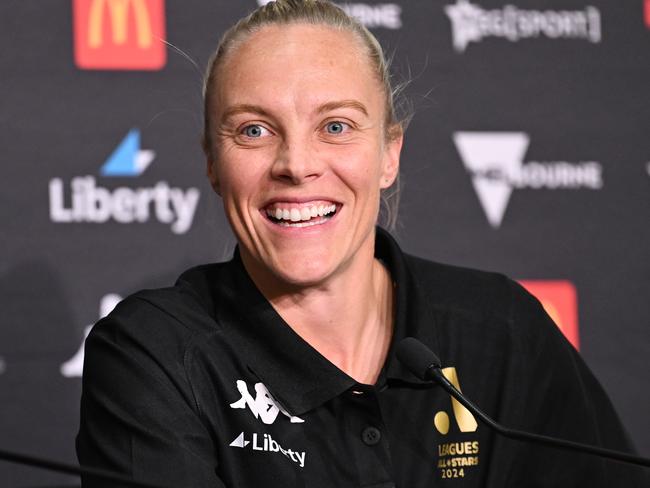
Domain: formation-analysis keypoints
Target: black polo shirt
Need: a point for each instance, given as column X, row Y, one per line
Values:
column 204, row 385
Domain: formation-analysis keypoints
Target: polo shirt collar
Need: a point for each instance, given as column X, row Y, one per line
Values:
column 296, row 374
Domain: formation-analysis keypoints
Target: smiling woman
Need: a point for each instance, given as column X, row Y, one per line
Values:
column 185, row 386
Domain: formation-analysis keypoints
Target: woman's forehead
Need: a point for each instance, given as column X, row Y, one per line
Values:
column 278, row 40
column 316, row 62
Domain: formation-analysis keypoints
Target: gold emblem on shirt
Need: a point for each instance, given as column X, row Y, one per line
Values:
column 455, row 457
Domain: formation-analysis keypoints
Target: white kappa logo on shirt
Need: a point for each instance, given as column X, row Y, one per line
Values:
column 263, row 406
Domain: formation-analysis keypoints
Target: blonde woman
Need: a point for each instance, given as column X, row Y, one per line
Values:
column 276, row 369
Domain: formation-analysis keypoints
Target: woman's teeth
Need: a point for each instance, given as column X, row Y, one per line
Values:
column 299, row 217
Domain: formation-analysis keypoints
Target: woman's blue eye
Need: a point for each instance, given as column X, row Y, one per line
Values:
column 254, row 131
column 336, row 127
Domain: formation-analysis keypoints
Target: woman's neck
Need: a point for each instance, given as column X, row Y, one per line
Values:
column 349, row 319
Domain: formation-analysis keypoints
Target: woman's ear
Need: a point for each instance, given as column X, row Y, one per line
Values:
column 392, row 150
column 212, row 175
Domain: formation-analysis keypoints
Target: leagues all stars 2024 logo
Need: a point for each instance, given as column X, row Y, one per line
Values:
column 455, row 459
column 88, row 202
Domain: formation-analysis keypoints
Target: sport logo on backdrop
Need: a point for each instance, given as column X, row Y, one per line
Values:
column 119, row 34
column 384, row 15
column 560, row 300
column 88, row 202
column 472, row 23
column 495, row 162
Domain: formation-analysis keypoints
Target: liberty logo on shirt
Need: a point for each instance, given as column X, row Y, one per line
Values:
column 263, row 406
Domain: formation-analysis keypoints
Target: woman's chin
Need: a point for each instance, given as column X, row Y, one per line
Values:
column 303, row 275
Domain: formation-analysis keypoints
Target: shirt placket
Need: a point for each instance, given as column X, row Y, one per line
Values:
column 368, row 438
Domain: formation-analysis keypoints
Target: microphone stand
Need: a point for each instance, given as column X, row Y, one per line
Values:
column 434, row 373
column 424, row 364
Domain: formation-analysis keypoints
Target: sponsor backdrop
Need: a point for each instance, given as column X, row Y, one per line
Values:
column 529, row 153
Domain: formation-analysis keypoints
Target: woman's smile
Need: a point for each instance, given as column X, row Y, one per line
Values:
column 289, row 214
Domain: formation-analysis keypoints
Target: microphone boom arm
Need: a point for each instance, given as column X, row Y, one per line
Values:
column 435, row 373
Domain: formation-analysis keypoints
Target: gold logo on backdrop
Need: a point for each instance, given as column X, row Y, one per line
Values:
column 119, row 21
column 455, row 457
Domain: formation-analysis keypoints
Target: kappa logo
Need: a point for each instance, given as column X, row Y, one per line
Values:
column 472, row 23
column 73, row 367
column 495, row 162
column 464, row 418
column 263, row 406
column 379, row 15
column 119, row 34
column 266, row 443
column 91, row 203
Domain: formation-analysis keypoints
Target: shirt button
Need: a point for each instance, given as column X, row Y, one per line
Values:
column 371, row 436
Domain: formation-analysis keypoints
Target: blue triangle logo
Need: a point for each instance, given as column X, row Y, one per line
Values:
column 128, row 159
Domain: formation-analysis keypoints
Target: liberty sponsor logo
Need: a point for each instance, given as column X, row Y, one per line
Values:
column 73, row 367
column 263, row 406
column 88, row 202
column 455, row 457
column 266, row 443
column 128, row 159
column 472, row 23
column 119, row 34
column 560, row 301
column 494, row 161
column 379, row 15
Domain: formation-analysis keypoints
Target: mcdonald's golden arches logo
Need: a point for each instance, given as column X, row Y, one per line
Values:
column 119, row 34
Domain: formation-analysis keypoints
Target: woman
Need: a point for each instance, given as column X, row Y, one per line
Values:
column 277, row 368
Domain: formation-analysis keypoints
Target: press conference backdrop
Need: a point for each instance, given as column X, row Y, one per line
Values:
column 529, row 154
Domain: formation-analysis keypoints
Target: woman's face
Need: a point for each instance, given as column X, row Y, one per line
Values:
column 300, row 152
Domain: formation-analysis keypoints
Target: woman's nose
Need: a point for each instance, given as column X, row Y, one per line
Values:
column 296, row 163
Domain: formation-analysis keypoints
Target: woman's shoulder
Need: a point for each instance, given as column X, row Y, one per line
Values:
column 464, row 288
column 164, row 316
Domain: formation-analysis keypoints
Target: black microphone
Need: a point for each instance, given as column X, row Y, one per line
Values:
column 424, row 364
column 71, row 469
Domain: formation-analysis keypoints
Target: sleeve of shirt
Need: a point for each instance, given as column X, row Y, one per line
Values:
column 138, row 414
column 559, row 396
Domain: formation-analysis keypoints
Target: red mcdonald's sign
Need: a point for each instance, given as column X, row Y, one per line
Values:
column 119, row 34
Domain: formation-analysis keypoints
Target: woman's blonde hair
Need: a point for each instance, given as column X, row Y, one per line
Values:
column 316, row 12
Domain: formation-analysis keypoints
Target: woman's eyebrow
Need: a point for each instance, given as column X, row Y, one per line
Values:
column 326, row 107
column 243, row 108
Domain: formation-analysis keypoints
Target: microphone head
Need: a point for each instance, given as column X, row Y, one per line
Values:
column 417, row 357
